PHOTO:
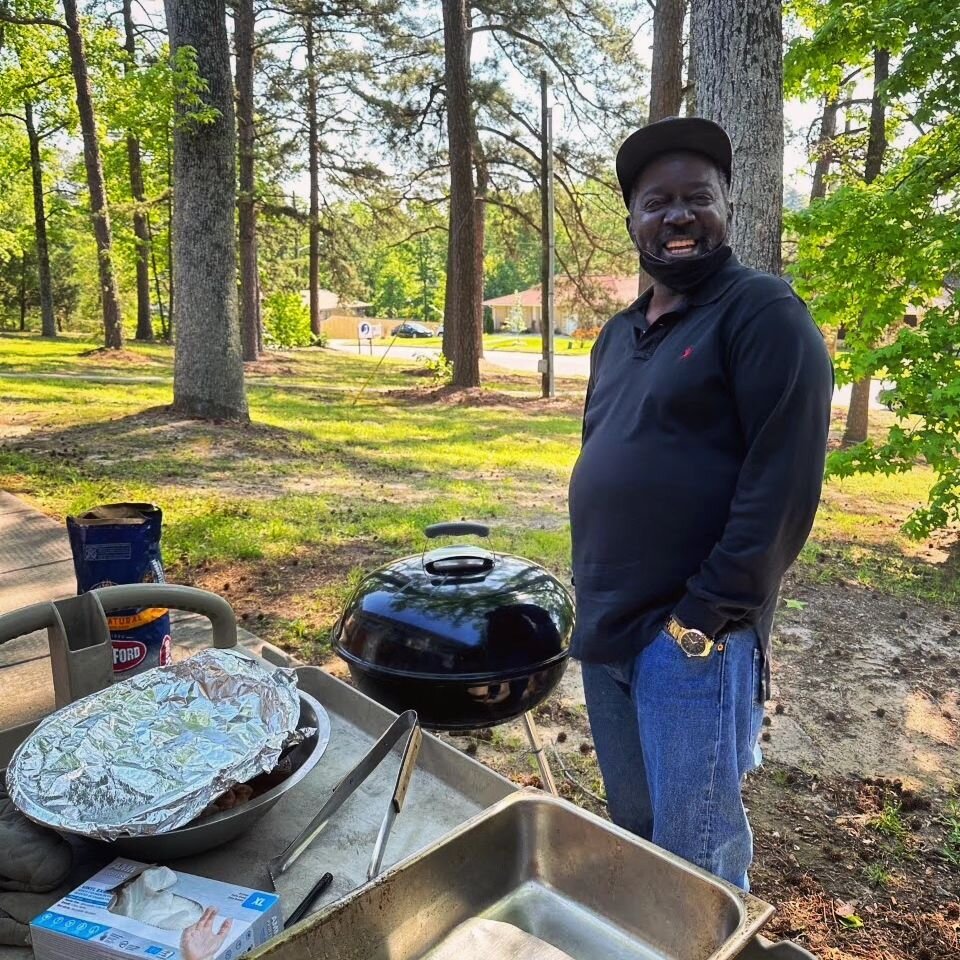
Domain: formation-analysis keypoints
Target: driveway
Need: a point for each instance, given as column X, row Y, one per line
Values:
column 578, row 366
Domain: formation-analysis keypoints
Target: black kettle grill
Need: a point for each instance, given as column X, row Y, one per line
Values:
column 466, row 637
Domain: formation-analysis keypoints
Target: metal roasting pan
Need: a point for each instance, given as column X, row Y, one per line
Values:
column 550, row 868
column 447, row 788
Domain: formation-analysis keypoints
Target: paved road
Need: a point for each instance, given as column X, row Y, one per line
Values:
column 578, row 366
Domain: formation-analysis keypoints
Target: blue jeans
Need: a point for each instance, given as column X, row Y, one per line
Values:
column 675, row 736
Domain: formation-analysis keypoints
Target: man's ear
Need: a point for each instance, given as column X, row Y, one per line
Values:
column 632, row 234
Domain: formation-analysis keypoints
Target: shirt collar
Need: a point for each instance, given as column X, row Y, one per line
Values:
column 711, row 290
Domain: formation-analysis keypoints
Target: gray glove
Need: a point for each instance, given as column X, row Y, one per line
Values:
column 35, row 861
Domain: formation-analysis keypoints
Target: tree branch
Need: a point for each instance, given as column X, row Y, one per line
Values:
column 31, row 21
column 510, row 139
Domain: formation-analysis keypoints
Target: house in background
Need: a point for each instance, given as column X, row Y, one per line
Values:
column 330, row 305
column 338, row 320
column 589, row 302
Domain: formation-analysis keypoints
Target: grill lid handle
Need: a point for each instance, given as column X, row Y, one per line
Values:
column 458, row 561
column 456, row 528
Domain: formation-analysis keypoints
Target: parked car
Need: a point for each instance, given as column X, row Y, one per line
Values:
column 410, row 328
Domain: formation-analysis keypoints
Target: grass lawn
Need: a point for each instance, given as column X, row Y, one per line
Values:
column 327, row 482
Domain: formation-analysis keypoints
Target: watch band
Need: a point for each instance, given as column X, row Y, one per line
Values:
column 680, row 633
column 675, row 628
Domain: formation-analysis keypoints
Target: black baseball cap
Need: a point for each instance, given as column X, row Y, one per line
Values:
column 666, row 136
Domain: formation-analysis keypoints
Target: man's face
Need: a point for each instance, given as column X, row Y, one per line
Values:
column 677, row 208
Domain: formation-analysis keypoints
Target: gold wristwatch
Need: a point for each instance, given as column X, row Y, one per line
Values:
column 694, row 643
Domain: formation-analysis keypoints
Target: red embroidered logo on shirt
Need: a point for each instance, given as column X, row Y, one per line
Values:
column 687, row 353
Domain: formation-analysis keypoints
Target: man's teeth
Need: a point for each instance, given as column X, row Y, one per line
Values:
column 680, row 244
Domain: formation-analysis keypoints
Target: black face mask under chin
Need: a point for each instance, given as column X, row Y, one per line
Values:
column 682, row 275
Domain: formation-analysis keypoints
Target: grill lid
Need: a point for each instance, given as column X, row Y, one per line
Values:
column 457, row 612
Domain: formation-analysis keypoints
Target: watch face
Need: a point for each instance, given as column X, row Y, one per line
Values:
column 693, row 643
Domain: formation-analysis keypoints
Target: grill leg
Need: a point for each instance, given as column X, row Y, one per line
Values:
column 533, row 735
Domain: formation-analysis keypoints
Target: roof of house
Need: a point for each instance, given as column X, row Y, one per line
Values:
column 620, row 290
column 328, row 300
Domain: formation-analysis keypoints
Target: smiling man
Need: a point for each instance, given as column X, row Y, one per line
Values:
column 704, row 436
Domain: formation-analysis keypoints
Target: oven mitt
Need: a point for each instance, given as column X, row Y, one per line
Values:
column 35, row 861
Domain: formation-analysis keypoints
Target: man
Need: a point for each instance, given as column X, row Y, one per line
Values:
column 704, row 437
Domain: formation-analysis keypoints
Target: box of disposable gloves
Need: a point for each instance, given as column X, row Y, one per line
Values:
column 132, row 909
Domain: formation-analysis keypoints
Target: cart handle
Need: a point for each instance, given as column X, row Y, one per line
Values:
column 177, row 597
column 45, row 616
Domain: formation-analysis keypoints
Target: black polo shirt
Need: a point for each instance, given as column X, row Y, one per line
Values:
column 704, row 440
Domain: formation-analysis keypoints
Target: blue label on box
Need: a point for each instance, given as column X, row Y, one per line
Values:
column 260, row 901
column 70, row 926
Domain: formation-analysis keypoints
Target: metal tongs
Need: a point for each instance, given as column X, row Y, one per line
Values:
column 407, row 723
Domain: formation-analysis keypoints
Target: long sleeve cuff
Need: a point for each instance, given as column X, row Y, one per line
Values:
column 698, row 615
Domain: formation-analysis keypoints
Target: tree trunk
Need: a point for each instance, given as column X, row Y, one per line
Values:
column 22, row 293
column 877, row 144
column 208, row 368
column 464, row 292
column 48, row 324
column 164, row 328
column 243, row 39
column 690, row 90
column 666, row 77
column 109, row 298
column 737, row 48
column 140, row 230
column 482, row 184
column 171, row 300
column 313, row 147
column 666, row 68
column 858, row 413
column 824, row 150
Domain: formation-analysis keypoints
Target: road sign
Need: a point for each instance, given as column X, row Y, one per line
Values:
column 369, row 331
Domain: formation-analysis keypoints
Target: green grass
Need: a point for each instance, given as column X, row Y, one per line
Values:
column 951, row 845
column 889, row 822
column 877, row 875
column 340, row 482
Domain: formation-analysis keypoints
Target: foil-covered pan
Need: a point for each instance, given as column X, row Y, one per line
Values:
column 149, row 754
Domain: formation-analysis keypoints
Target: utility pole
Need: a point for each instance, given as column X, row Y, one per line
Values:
column 548, row 384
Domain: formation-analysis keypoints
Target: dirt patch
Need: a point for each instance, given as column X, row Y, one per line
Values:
column 482, row 397
column 126, row 358
column 292, row 602
column 865, row 683
column 269, row 367
column 854, row 865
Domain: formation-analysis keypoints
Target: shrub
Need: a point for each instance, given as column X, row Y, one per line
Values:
column 583, row 334
column 286, row 321
column 441, row 369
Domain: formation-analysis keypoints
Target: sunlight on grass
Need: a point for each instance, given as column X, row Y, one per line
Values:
column 346, row 483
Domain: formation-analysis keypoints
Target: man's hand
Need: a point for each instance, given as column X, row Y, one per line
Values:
column 199, row 942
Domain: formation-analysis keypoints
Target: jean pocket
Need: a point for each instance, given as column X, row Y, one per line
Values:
column 670, row 675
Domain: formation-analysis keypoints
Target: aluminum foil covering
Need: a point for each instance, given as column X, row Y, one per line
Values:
column 146, row 755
